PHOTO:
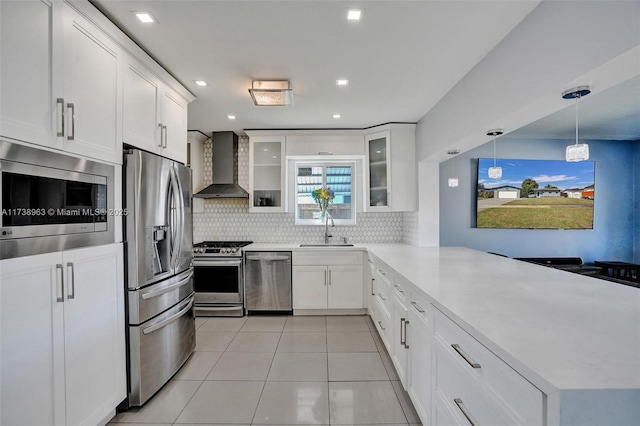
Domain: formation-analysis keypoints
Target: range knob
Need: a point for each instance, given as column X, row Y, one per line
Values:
column 234, row 250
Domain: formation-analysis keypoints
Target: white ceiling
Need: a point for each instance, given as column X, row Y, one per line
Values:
column 400, row 59
column 613, row 114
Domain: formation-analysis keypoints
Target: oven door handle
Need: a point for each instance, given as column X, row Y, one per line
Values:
column 217, row 262
column 156, row 293
column 169, row 320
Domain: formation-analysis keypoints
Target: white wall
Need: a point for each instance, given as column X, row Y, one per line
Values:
column 557, row 46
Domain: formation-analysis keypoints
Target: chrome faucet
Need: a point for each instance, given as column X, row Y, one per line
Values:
column 327, row 235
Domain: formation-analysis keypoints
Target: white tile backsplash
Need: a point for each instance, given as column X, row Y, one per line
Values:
column 230, row 219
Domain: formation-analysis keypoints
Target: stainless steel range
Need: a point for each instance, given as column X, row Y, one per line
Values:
column 218, row 278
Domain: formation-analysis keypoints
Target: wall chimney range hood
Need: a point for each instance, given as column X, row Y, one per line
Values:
column 225, row 168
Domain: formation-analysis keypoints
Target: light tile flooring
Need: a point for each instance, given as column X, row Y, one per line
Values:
column 282, row 370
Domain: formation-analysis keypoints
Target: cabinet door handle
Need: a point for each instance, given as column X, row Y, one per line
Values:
column 60, row 124
column 418, row 307
column 329, row 276
column 381, row 297
column 72, row 107
column 325, row 277
column 160, row 145
column 59, row 283
column 164, row 130
column 472, row 421
column 464, row 355
column 72, row 286
column 406, row 322
column 403, row 341
column 372, row 290
column 381, row 327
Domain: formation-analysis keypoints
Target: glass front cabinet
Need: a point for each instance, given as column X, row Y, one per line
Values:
column 390, row 169
column 267, row 173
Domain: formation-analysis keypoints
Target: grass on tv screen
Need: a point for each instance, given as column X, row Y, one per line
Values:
column 536, row 194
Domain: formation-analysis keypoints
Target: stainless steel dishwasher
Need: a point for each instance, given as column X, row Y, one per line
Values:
column 267, row 282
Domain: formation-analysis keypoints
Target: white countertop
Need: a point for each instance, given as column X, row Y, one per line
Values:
column 558, row 329
column 296, row 247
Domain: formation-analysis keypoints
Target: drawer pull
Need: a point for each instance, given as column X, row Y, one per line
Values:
column 465, row 411
column 418, row 307
column 372, row 290
column 380, row 323
column 403, row 331
column 380, row 294
column 466, row 357
column 396, row 286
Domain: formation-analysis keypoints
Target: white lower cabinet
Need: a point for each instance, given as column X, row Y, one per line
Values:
column 477, row 384
column 399, row 347
column 63, row 345
column 419, row 337
column 324, row 280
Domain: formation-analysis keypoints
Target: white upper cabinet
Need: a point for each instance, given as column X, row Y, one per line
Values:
column 154, row 117
column 60, row 80
column 91, row 95
column 27, row 98
column 62, row 74
column 267, row 169
column 390, row 168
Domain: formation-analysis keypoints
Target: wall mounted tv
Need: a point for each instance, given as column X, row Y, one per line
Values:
column 536, row 194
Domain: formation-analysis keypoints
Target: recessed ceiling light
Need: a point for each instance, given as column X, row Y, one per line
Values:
column 354, row 14
column 201, row 83
column 231, row 117
column 342, row 82
column 336, row 116
column 145, row 17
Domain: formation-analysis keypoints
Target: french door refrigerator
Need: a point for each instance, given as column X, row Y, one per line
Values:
column 159, row 277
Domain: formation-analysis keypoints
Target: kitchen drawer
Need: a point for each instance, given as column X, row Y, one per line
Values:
column 324, row 257
column 511, row 397
column 420, row 306
column 400, row 288
column 384, row 323
column 384, row 271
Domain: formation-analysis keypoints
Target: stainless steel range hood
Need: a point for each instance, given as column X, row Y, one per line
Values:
column 225, row 168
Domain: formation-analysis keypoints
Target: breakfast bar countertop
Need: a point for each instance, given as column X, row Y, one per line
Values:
column 561, row 331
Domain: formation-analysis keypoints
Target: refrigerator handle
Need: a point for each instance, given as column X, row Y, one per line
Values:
column 177, row 219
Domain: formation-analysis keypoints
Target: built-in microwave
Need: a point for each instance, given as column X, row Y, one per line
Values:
column 51, row 201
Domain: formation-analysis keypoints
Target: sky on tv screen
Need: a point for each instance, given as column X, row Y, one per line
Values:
column 559, row 173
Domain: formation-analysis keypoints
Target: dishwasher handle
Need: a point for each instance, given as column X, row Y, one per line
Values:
column 268, row 259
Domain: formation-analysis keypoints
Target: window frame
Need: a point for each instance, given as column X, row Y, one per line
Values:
column 325, row 163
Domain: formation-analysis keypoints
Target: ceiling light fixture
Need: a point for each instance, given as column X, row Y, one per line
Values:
column 336, row 116
column 495, row 172
column 342, row 82
column 271, row 92
column 201, row 83
column 231, row 117
column 578, row 151
column 354, row 14
column 145, row 17
column 453, row 181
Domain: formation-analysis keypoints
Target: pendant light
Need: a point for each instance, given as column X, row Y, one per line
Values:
column 495, row 172
column 578, row 151
column 453, row 181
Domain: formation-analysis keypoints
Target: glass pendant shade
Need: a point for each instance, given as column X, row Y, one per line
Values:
column 577, row 152
column 495, row 172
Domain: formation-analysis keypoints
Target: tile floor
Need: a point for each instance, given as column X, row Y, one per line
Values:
column 282, row 370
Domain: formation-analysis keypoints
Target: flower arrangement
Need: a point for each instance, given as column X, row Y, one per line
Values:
column 324, row 197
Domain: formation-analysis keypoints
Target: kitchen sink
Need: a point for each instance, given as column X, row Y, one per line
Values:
column 326, row 245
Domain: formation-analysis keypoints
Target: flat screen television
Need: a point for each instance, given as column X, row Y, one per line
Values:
column 535, row 194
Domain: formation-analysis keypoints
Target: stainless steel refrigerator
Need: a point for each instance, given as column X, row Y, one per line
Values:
column 159, row 278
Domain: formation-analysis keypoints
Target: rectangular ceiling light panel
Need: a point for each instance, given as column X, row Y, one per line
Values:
column 271, row 93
